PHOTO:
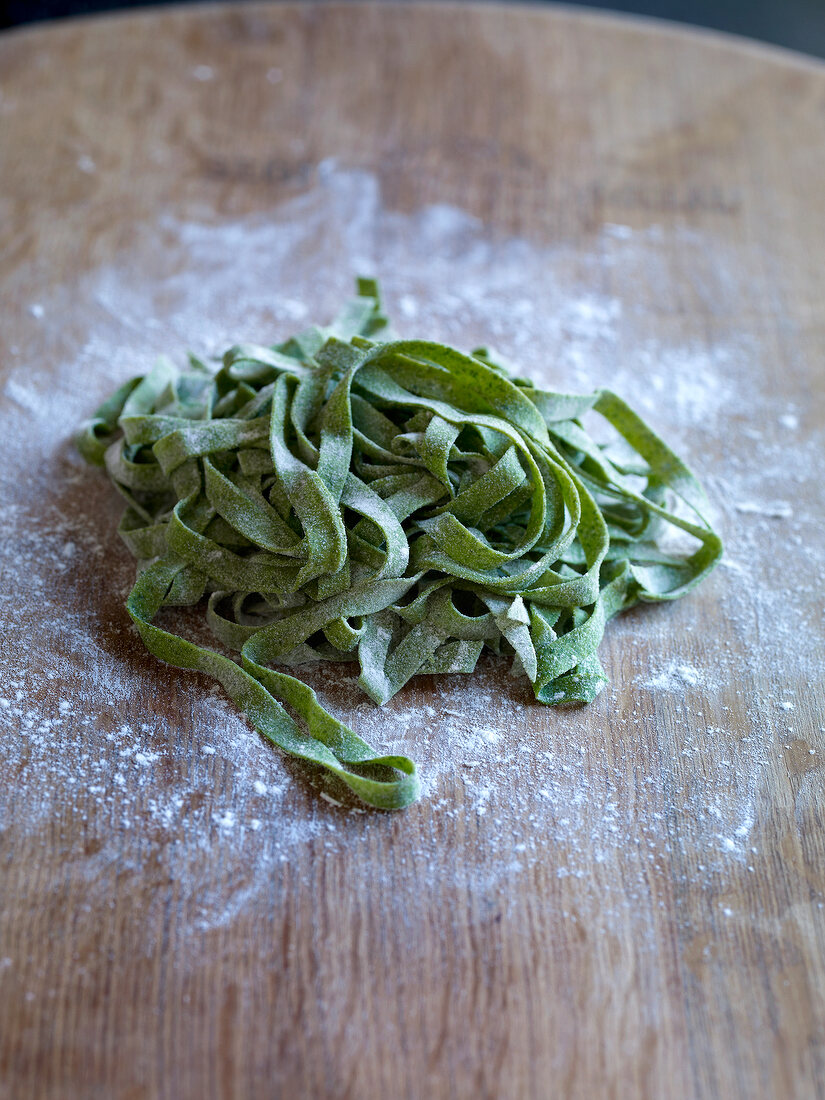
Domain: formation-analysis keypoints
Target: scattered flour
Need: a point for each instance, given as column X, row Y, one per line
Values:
column 676, row 677
column 779, row 509
column 651, row 771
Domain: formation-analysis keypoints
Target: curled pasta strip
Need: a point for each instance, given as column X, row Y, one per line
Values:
column 398, row 503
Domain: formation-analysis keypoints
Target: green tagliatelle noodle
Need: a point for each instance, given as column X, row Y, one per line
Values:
column 348, row 496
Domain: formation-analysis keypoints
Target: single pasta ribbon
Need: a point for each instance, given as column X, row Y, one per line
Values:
column 348, row 496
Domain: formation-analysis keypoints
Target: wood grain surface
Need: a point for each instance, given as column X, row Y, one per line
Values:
column 619, row 901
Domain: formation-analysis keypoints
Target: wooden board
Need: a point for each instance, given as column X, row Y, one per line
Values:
column 625, row 900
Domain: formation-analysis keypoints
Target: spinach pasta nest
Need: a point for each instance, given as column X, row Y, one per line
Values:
column 347, row 496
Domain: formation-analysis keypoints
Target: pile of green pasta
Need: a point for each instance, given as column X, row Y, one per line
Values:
column 347, row 496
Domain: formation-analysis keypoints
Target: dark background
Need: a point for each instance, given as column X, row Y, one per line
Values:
column 798, row 24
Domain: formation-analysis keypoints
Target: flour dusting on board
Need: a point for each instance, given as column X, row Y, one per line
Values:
column 570, row 790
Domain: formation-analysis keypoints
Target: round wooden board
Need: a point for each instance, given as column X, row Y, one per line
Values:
column 624, row 900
